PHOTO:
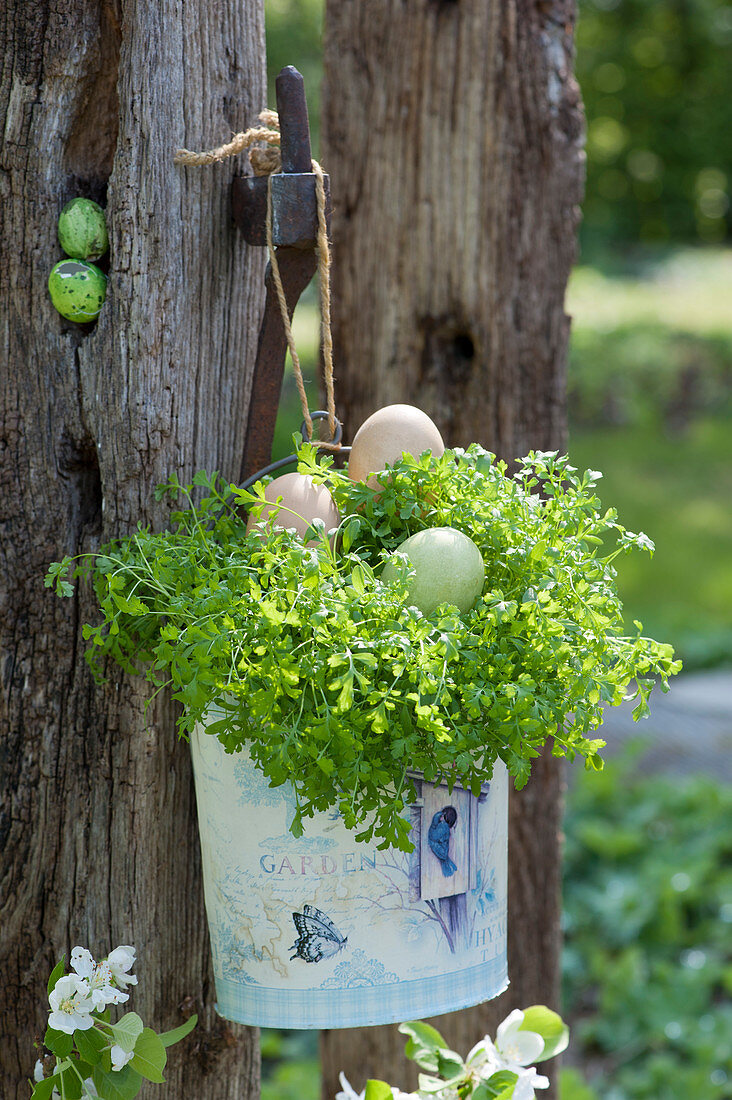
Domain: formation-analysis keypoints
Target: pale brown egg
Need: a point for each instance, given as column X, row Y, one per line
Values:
column 386, row 435
column 302, row 502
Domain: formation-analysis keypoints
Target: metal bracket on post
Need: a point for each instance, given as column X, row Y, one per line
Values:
column 294, row 233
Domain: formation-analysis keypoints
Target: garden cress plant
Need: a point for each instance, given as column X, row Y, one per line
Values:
column 326, row 673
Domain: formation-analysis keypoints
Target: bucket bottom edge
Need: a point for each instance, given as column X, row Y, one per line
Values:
column 314, row 1010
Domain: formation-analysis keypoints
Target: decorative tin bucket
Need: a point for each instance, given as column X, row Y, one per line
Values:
column 322, row 931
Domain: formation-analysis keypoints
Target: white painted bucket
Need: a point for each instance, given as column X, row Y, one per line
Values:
column 322, row 931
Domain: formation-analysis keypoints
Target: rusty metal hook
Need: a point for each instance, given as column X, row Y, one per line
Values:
column 319, row 414
column 294, row 230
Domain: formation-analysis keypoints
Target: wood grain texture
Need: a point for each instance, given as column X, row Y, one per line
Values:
column 97, row 825
column 452, row 131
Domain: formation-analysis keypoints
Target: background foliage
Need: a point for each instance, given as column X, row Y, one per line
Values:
column 657, row 86
column 648, row 915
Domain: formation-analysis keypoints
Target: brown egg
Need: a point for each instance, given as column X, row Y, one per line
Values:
column 305, row 500
column 386, row 435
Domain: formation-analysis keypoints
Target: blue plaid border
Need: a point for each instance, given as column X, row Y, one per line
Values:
column 360, row 1006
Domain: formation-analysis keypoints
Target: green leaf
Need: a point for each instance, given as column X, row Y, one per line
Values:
column 117, row 1085
column 550, row 1026
column 423, row 1043
column 127, row 1030
column 149, row 1058
column 90, row 1045
column 499, row 1086
column 378, row 1090
column 55, row 974
column 358, row 580
column 538, row 550
column 42, row 1089
column 69, row 1085
column 450, row 1065
column 59, row 1042
column 168, row 1038
column 430, row 1084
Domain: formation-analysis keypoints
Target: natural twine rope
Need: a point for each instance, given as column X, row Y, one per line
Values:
column 267, row 162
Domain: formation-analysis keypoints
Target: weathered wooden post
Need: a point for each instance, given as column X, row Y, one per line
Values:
column 453, row 136
column 98, row 832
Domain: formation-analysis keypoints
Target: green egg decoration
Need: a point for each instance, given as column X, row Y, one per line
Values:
column 77, row 290
column 82, row 230
column 448, row 569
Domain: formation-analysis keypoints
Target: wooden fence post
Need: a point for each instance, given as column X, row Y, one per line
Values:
column 453, row 136
column 98, row 829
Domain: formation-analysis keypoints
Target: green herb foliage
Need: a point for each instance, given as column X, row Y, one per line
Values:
column 328, row 675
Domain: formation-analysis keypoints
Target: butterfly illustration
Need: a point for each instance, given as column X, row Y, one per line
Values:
column 318, row 938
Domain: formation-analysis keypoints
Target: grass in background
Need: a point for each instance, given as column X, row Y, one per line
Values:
column 650, row 383
column 652, row 344
column 290, row 1065
column 685, row 289
column 679, row 491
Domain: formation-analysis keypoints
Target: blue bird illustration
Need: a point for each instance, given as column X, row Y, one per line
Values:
column 438, row 838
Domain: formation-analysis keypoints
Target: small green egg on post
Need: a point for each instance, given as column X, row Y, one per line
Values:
column 77, row 290
column 448, row 568
column 82, row 230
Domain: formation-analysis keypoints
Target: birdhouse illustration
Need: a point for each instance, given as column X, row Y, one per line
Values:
column 322, row 931
column 445, row 863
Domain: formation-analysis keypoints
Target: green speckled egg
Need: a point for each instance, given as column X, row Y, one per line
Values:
column 448, row 569
column 82, row 230
column 77, row 290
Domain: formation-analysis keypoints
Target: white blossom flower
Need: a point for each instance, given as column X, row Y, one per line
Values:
column 514, row 1045
column 512, row 1050
column 348, row 1092
column 71, row 1005
column 103, row 992
column 82, row 962
column 119, row 962
column 98, row 976
column 120, row 1057
column 528, row 1080
column 483, row 1057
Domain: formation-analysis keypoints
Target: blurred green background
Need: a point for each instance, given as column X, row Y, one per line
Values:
column 648, row 910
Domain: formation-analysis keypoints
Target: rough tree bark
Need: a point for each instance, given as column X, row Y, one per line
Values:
column 97, row 831
column 452, row 132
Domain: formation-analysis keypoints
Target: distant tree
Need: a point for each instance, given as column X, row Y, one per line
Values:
column 657, row 86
